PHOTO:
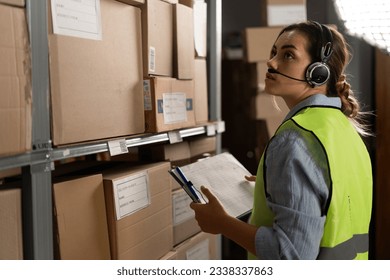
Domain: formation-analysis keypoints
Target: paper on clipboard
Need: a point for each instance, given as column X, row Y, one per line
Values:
column 224, row 175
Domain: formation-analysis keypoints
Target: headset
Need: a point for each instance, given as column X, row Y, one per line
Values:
column 317, row 73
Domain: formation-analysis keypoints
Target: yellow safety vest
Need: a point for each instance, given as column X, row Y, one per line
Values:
column 349, row 213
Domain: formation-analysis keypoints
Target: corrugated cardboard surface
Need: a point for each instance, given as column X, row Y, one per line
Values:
column 96, row 86
column 201, row 145
column 133, row 2
column 183, row 42
column 157, row 38
column 11, row 242
column 259, row 41
column 15, row 83
column 160, row 86
column 201, row 91
column 202, row 246
column 81, row 223
column 20, row 3
column 146, row 233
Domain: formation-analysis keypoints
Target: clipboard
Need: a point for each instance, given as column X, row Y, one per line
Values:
column 187, row 185
column 224, row 175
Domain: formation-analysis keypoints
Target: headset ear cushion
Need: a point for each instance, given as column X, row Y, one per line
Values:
column 317, row 74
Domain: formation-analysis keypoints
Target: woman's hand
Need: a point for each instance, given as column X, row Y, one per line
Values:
column 211, row 216
column 251, row 178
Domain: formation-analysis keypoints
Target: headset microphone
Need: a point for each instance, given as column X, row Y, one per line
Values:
column 273, row 71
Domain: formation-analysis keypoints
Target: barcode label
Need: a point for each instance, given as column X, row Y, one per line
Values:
column 117, row 147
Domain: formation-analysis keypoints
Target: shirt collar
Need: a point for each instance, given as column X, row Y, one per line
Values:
column 315, row 100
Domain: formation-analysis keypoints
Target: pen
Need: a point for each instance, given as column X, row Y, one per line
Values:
column 188, row 183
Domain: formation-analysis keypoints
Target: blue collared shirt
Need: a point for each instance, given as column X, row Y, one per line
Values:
column 298, row 183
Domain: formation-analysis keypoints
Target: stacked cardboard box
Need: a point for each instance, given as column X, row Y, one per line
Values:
column 139, row 211
column 11, row 241
column 170, row 51
column 15, row 79
column 80, row 218
column 202, row 246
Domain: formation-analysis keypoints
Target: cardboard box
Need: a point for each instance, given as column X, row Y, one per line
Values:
column 203, row 246
column 183, row 58
column 177, row 153
column 96, row 86
column 184, row 223
column 80, row 219
column 270, row 108
column 169, row 104
column 15, row 82
column 11, row 241
column 133, row 2
column 258, row 70
column 201, row 97
column 200, row 25
column 202, row 146
column 157, row 38
column 259, row 42
column 19, row 3
column 283, row 12
column 140, row 218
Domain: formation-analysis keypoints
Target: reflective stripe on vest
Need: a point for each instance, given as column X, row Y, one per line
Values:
column 348, row 216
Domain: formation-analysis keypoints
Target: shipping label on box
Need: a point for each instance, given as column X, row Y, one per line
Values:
column 169, row 104
column 131, row 194
column 174, row 107
column 181, row 208
column 77, row 18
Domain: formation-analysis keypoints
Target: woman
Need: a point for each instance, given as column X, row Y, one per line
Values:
column 313, row 193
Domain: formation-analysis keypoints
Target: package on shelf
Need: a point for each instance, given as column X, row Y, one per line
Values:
column 283, row 12
column 20, row 3
column 184, row 223
column 183, row 54
column 171, row 1
column 11, row 241
column 202, row 146
column 133, row 2
column 139, row 211
column 258, row 42
column 270, row 108
column 10, row 172
column 81, row 230
column 15, row 81
column 201, row 91
column 169, row 104
column 96, row 85
column 200, row 25
column 157, row 38
column 202, row 246
column 177, row 154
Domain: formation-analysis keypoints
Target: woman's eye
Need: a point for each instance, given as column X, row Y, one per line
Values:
column 288, row 55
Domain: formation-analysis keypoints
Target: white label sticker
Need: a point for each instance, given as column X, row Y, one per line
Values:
column 210, row 130
column 181, row 208
column 174, row 107
column 117, row 147
column 131, row 194
column 285, row 14
column 147, row 96
column 77, row 18
column 152, row 59
column 174, row 137
column 199, row 252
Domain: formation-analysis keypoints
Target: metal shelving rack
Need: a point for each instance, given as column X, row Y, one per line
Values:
column 37, row 164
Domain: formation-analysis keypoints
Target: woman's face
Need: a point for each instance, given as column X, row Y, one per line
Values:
column 289, row 56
